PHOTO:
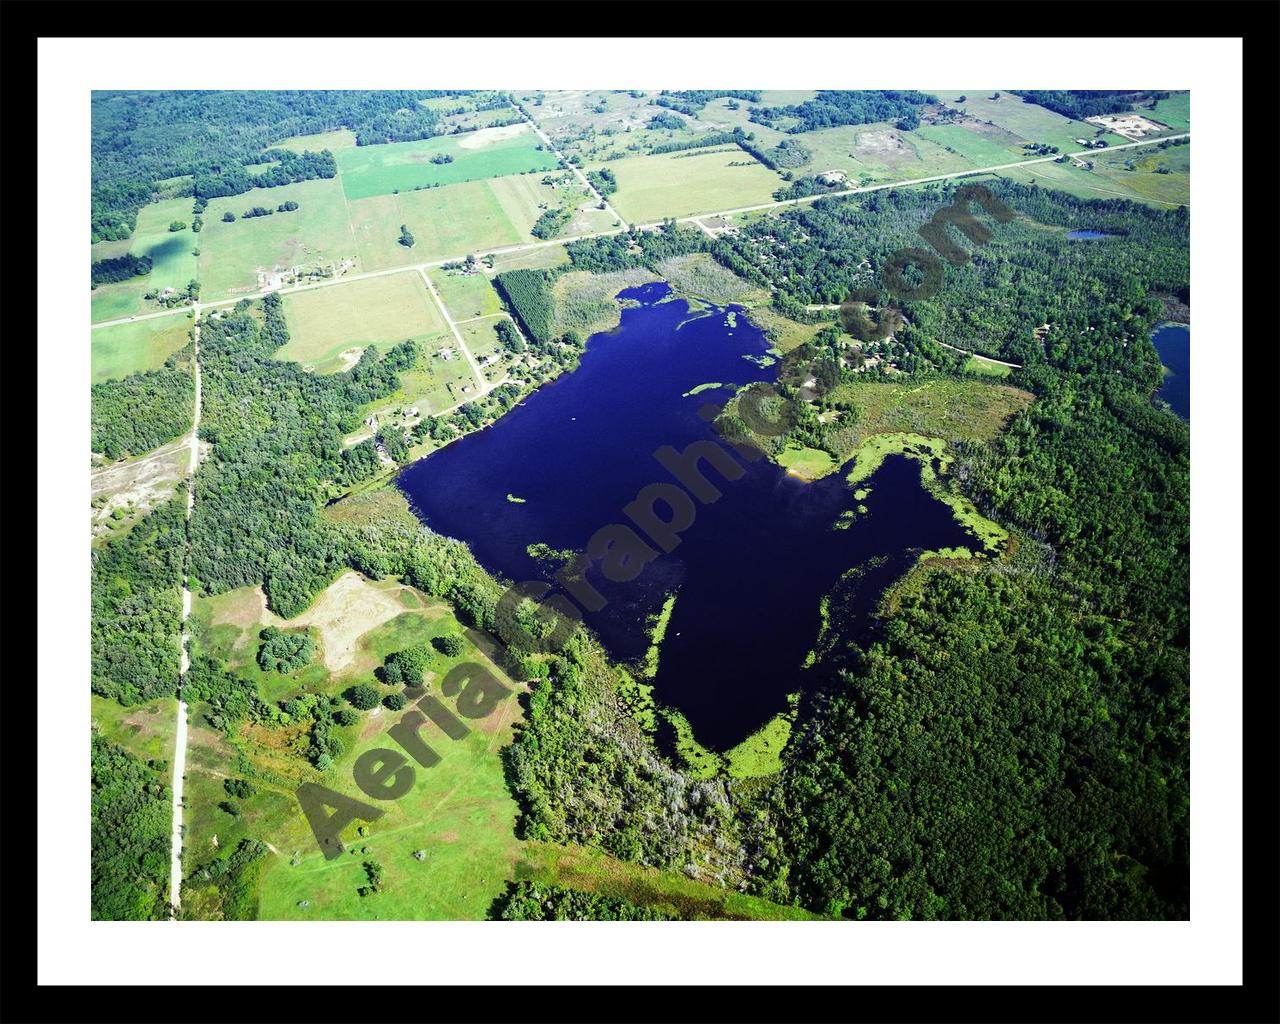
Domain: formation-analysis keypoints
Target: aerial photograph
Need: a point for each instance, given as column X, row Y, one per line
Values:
column 651, row 505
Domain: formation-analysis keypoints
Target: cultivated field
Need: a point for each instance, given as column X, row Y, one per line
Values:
column 402, row 166
column 330, row 326
column 124, row 349
column 232, row 256
column 679, row 184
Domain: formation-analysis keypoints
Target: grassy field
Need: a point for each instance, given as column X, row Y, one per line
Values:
column 433, row 383
column 145, row 730
column 1111, row 176
column 482, row 341
column 465, row 296
column 172, row 265
column 678, row 184
column 542, row 258
column 342, row 138
column 316, row 234
column 327, row 321
column 976, row 364
column 368, row 171
column 1029, row 121
column 123, row 349
column 113, row 301
column 472, row 217
column 979, row 149
column 1175, row 111
column 951, row 409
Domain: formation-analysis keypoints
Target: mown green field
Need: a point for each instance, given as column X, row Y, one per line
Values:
column 678, row 184
column 326, row 321
column 368, row 171
column 124, row 349
column 449, row 221
column 172, row 264
column 317, row 233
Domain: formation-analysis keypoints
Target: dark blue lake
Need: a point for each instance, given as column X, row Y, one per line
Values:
column 1173, row 342
column 1082, row 234
column 751, row 570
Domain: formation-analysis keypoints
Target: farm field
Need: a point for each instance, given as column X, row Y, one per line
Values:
column 1029, row 121
column 473, row 216
column 172, row 264
column 542, row 258
column 465, row 295
column 979, row 149
column 330, row 326
column 678, row 184
column 124, row 349
column 316, row 234
column 401, row 166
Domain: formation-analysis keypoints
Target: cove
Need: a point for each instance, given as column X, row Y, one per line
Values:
column 1173, row 342
column 751, row 571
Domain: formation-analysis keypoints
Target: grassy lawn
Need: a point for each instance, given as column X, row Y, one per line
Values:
column 123, row 349
column 679, row 184
column 482, row 340
column 327, row 321
column 315, row 234
column 489, row 153
column 977, row 364
column 465, row 296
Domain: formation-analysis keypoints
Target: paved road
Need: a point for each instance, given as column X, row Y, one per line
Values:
column 180, row 743
column 529, row 246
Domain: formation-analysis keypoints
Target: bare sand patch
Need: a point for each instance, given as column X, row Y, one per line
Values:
column 487, row 136
column 244, row 608
column 349, row 608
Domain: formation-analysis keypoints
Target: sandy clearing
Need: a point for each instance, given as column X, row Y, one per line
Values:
column 348, row 609
column 487, row 136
